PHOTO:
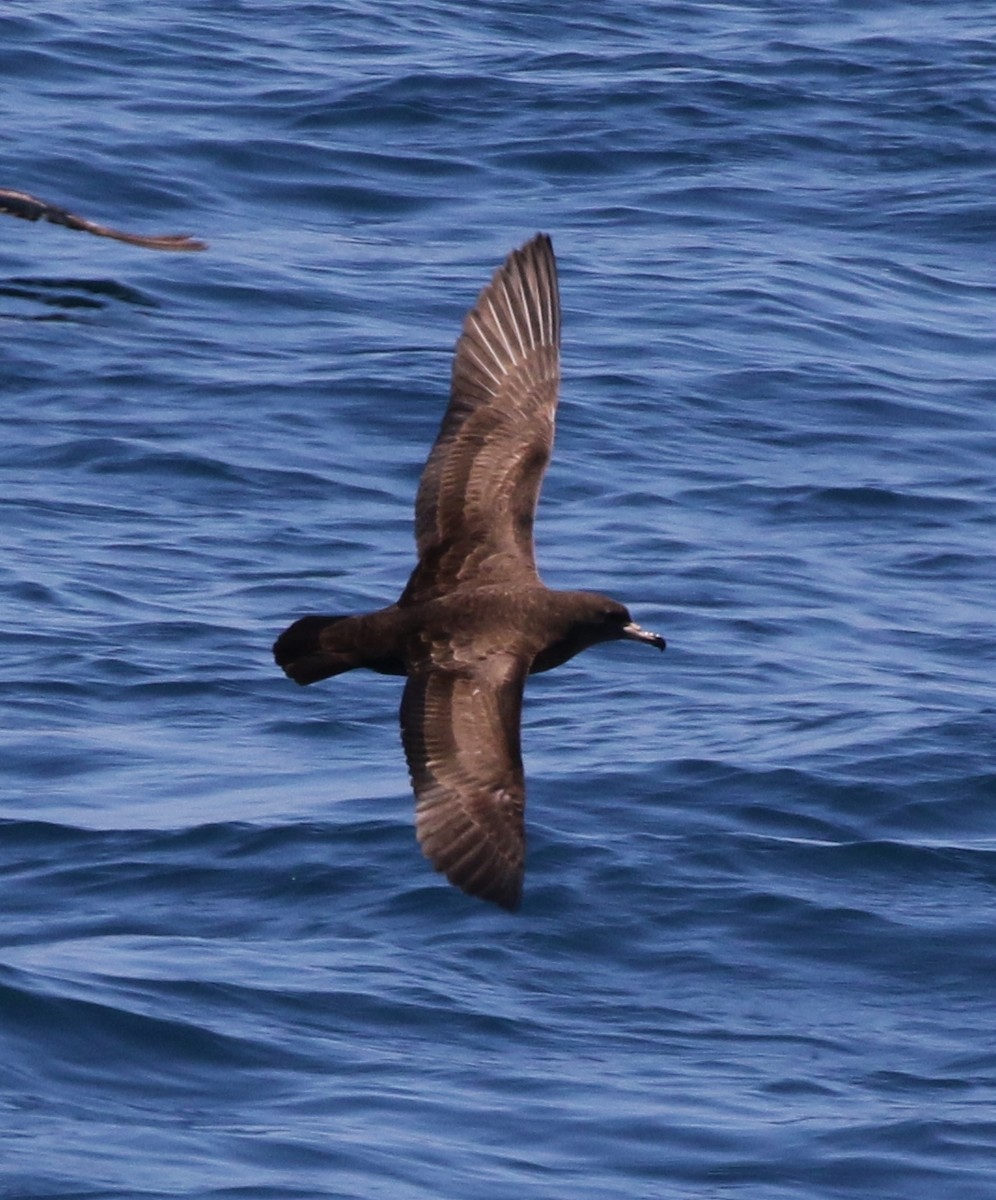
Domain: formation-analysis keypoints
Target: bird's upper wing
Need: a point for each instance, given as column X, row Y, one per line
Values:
column 477, row 497
column 460, row 727
column 30, row 208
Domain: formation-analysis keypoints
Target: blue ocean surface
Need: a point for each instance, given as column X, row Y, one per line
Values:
column 756, row 958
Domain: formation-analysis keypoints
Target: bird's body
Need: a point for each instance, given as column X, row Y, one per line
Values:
column 475, row 619
column 538, row 623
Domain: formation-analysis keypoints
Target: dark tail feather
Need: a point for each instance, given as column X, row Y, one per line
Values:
column 299, row 651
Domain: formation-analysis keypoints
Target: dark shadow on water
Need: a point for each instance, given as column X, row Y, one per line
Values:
column 69, row 294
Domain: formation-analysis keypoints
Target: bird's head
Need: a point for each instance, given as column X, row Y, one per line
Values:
column 605, row 620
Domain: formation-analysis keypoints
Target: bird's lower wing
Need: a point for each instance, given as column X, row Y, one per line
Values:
column 460, row 727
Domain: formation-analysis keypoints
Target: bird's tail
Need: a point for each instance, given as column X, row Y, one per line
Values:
column 300, row 651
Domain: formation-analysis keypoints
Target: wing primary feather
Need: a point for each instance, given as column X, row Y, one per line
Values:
column 502, row 335
column 472, row 353
column 514, row 314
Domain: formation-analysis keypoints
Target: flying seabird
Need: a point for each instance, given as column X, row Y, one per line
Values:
column 30, row 208
column 475, row 619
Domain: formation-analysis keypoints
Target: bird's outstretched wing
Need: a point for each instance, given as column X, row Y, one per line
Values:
column 460, row 728
column 30, row 208
column 477, row 497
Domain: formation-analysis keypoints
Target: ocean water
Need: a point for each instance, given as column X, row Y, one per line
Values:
column 756, row 958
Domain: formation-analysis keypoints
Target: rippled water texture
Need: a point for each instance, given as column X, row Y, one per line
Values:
column 755, row 958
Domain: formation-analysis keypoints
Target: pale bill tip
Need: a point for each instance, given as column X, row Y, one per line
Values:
column 636, row 634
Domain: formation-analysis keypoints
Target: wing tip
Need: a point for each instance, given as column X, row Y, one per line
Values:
column 520, row 305
column 497, row 888
column 470, row 860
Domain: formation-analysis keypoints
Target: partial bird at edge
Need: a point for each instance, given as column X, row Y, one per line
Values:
column 30, row 208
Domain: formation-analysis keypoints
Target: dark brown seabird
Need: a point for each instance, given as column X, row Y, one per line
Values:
column 30, row 208
column 475, row 619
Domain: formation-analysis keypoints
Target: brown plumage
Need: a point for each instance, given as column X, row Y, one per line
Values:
column 30, row 208
column 475, row 619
